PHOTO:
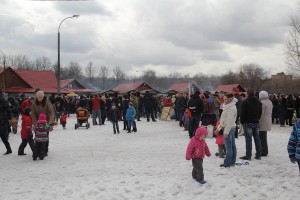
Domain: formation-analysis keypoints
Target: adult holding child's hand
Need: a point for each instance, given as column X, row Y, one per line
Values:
column 42, row 105
column 227, row 121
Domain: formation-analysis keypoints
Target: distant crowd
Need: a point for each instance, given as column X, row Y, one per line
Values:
column 231, row 114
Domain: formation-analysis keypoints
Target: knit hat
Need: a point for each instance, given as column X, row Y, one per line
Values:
column 201, row 130
column 42, row 117
column 27, row 111
column 263, row 95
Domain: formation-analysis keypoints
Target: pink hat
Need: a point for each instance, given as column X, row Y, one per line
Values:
column 201, row 130
column 42, row 117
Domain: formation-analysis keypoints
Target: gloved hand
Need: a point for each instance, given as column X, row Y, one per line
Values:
column 293, row 160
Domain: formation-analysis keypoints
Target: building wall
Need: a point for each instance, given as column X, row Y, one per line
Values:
column 143, row 87
column 12, row 80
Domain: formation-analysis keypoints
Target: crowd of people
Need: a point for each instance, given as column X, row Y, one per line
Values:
column 231, row 114
column 253, row 113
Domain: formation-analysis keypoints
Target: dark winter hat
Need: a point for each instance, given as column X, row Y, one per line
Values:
column 36, row 90
column 27, row 111
column 250, row 92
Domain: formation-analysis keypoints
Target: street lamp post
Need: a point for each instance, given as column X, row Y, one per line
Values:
column 4, row 76
column 58, row 46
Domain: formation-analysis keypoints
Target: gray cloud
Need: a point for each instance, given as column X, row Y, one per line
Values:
column 85, row 8
column 164, row 34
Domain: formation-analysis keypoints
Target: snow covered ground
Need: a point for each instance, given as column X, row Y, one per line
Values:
column 150, row 164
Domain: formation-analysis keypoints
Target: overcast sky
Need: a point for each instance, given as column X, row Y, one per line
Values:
column 184, row 36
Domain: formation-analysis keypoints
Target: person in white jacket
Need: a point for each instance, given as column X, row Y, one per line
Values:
column 227, row 122
column 265, row 122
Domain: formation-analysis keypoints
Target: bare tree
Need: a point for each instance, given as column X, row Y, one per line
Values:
column 174, row 75
column 90, row 71
column 149, row 76
column 229, row 78
column 103, row 74
column 72, row 71
column 118, row 74
column 42, row 63
column 20, row 61
column 293, row 47
column 252, row 76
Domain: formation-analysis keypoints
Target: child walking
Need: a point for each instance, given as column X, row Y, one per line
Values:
column 41, row 129
column 219, row 140
column 26, row 132
column 63, row 120
column 196, row 150
column 114, row 116
column 293, row 146
column 130, row 116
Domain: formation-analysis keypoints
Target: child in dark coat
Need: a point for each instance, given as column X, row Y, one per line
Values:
column 196, row 150
column 41, row 129
column 114, row 116
column 63, row 120
column 26, row 132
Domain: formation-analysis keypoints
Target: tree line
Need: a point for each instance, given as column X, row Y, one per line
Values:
column 250, row 75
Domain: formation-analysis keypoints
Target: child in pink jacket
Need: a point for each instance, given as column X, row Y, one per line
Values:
column 196, row 150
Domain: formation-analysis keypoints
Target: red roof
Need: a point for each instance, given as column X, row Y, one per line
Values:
column 180, row 87
column 64, row 83
column 45, row 80
column 229, row 88
column 38, row 79
column 127, row 86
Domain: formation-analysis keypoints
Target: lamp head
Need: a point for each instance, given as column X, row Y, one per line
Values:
column 76, row 16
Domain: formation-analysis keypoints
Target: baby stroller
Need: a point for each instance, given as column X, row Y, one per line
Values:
column 82, row 115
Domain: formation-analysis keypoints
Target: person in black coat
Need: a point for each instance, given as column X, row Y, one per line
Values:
column 196, row 107
column 275, row 103
column 149, row 103
column 251, row 111
column 125, row 106
column 180, row 106
column 290, row 109
column 282, row 110
column 5, row 115
column 297, row 106
column 114, row 117
column 103, row 108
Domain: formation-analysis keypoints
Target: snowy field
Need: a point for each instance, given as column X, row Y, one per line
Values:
column 150, row 164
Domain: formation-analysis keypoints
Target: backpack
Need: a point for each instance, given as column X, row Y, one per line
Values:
column 192, row 106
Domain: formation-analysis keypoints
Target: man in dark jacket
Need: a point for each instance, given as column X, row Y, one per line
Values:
column 250, row 114
column 149, row 106
column 5, row 115
column 196, row 106
column 180, row 106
